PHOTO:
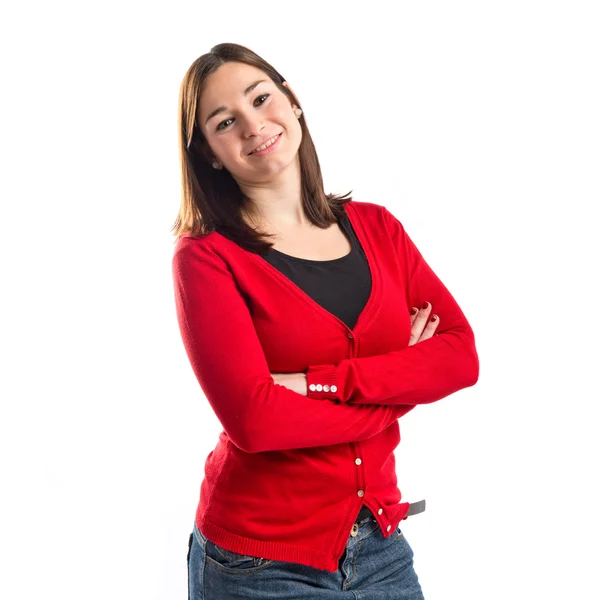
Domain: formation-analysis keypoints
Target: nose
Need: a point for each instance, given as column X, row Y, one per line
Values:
column 253, row 125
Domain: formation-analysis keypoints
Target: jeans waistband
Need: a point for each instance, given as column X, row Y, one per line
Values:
column 365, row 512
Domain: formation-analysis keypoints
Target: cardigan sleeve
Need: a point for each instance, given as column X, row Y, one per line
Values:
column 231, row 368
column 419, row 374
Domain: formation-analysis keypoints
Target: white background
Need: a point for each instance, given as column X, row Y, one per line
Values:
column 476, row 123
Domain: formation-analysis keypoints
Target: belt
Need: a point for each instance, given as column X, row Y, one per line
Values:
column 413, row 509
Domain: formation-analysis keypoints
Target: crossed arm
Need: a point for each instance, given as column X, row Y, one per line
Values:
column 438, row 365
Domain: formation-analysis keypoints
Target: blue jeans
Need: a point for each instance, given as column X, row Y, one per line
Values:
column 372, row 568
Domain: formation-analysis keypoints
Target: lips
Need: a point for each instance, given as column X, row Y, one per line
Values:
column 265, row 141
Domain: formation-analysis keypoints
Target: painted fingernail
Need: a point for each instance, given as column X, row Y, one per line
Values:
column 434, row 318
column 414, row 310
column 425, row 305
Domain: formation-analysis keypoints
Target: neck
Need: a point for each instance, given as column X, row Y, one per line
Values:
column 278, row 203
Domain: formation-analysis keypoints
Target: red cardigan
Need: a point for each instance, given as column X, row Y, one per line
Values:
column 289, row 472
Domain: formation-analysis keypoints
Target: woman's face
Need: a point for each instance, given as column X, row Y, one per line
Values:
column 245, row 121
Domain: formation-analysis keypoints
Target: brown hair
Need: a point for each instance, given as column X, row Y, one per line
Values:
column 211, row 199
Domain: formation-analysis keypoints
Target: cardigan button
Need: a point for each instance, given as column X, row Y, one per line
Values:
column 325, row 388
column 358, row 461
column 350, row 335
column 319, row 387
column 361, row 493
column 333, row 388
column 380, row 511
column 389, row 527
column 312, row 387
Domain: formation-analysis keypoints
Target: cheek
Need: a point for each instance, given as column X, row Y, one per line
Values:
column 223, row 147
column 291, row 124
column 282, row 114
column 295, row 130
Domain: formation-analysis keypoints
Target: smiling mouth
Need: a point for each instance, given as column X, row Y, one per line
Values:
column 275, row 138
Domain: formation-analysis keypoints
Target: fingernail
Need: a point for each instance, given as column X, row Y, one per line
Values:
column 425, row 305
column 414, row 310
column 434, row 318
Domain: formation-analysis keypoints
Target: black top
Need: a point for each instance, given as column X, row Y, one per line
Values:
column 342, row 285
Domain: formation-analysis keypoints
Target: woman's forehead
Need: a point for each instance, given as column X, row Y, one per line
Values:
column 231, row 79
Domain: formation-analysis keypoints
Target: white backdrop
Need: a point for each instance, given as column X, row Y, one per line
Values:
column 475, row 123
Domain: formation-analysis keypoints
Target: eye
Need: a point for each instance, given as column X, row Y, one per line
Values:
column 221, row 125
column 265, row 96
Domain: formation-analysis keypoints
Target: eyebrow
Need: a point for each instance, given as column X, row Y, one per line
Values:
column 220, row 109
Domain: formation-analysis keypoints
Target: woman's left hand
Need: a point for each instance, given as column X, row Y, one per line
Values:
column 293, row 381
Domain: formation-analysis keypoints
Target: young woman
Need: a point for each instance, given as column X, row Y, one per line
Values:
column 309, row 322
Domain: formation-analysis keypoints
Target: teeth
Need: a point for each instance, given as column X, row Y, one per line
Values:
column 265, row 145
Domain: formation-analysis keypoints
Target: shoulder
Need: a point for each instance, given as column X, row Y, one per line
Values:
column 364, row 208
column 373, row 212
column 190, row 249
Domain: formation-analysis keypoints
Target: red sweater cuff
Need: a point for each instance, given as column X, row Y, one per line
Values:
column 322, row 382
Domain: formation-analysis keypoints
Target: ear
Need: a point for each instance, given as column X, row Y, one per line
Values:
column 289, row 87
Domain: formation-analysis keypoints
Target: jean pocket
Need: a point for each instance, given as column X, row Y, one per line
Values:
column 227, row 560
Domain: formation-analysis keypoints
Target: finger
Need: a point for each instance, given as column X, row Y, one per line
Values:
column 414, row 311
column 430, row 328
column 419, row 323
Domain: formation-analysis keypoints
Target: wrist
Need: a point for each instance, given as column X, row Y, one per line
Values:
column 303, row 384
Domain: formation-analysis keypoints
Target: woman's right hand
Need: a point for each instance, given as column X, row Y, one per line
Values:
column 422, row 325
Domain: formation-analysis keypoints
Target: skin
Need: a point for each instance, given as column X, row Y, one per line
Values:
column 271, row 182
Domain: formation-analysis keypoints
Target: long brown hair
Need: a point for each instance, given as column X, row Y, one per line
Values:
column 211, row 199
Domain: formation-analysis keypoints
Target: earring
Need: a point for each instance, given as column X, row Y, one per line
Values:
column 298, row 112
column 216, row 164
